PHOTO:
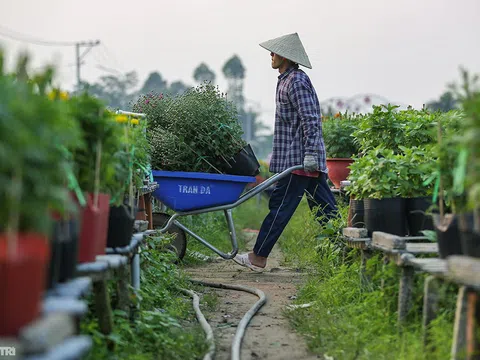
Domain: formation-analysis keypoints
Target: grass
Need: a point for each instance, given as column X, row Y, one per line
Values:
column 164, row 326
column 350, row 319
column 213, row 227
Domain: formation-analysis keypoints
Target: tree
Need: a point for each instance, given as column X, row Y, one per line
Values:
column 154, row 83
column 203, row 73
column 446, row 103
column 116, row 91
column 177, row 88
column 234, row 71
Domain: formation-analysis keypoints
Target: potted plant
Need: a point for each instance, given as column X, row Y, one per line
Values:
column 340, row 145
column 415, row 166
column 64, row 237
column 31, row 128
column 94, row 167
column 375, row 179
column 467, row 170
column 446, row 151
column 132, row 159
column 197, row 131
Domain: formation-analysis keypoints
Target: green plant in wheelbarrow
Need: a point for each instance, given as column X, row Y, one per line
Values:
column 33, row 130
column 205, row 127
column 340, row 145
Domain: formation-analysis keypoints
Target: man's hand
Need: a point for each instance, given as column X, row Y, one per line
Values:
column 310, row 163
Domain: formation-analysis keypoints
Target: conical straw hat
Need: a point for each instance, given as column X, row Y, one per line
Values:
column 290, row 47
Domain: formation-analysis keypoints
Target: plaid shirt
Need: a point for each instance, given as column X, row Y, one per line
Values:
column 298, row 127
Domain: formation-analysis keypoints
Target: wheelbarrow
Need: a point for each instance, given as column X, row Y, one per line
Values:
column 188, row 193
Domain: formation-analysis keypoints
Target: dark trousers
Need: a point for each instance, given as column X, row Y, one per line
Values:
column 284, row 201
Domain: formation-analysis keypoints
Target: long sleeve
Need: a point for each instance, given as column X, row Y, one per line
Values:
column 302, row 99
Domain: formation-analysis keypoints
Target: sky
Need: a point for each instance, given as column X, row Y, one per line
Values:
column 404, row 50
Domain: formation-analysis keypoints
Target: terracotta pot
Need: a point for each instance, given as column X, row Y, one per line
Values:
column 22, row 280
column 338, row 170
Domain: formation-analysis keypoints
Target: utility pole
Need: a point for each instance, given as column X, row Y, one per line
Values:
column 89, row 45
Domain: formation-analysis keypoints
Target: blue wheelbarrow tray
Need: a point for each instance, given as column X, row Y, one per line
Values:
column 187, row 191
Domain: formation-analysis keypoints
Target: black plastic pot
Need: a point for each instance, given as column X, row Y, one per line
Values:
column 417, row 219
column 448, row 235
column 120, row 226
column 56, row 240
column 469, row 239
column 244, row 163
column 387, row 215
column 356, row 213
column 69, row 249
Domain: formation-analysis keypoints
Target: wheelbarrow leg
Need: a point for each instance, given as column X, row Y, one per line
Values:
column 233, row 236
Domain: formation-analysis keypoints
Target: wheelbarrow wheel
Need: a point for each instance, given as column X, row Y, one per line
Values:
column 178, row 245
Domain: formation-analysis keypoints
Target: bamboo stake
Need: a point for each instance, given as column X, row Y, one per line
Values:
column 440, row 195
column 97, row 173
column 130, row 169
column 14, row 216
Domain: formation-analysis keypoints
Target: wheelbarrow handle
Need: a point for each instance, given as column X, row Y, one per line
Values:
column 267, row 183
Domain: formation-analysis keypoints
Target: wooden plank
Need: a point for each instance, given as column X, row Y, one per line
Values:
column 459, row 327
column 430, row 308
column 47, row 332
column 405, row 293
column 114, row 261
column 464, row 270
column 103, row 307
column 75, row 288
column 123, row 289
column 431, row 266
column 389, row 242
column 75, row 347
column 355, row 233
column 422, row 248
column 473, row 323
column 140, row 226
column 363, row 243
column 149, row 210
column 64, row 305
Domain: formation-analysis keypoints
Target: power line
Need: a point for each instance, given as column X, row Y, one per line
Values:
column 9, row 33
column 14, row 35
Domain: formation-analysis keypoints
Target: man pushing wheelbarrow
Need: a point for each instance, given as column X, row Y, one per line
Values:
column 297, row 140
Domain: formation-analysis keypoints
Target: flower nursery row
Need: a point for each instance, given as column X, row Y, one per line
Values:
column 413, row 172
column 69, row 170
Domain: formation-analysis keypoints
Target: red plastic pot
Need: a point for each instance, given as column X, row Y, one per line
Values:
column 93, row 231
column 22, row 280
column 102, row 223
column 338, row 170
column 88, row 232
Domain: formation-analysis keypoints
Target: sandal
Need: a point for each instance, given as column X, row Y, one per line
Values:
column 244, row 261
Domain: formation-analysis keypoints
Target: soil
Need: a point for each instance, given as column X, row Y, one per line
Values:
column 269, row 334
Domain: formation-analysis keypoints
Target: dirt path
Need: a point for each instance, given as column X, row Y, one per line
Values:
column 269, row 335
